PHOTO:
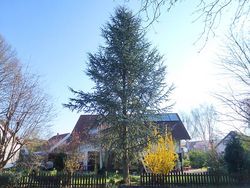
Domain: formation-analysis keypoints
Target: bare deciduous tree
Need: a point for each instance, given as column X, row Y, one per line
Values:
column 201, row 122
column 24, row 108
column 236, row 64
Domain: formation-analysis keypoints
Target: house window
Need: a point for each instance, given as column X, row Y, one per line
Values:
column 93, row 131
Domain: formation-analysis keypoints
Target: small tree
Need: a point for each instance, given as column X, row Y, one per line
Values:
column 74, row 157
column 236, row 157
column 160, row 157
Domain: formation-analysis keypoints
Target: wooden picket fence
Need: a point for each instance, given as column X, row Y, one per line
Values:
column 75, row 180
column 78, row 180
column 193, row 179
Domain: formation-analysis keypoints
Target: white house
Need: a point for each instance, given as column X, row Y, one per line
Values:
column 10, row 148
column 221, row 146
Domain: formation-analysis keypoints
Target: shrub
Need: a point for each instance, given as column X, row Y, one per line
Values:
column 197, row 159
column 216, row 162
column 5, row 180
column 186, row 163
column 72, row 164
column 58, row 160
column 237, row 156
column 8, row 179
column 160, row 157
column 29, row 162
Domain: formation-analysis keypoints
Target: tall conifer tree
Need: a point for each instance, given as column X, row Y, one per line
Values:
column 129, row 78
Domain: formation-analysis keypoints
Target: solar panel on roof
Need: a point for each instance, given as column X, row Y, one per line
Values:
column 174, row 117
column 165, row 117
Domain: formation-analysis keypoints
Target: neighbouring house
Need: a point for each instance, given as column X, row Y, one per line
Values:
column 12, row 161
column 10, row 148
column 198, row 145
column 52, row 147
column 53, row 144
column 87, row 128
column 221, row 146
column 58, row 141
column 35, row 146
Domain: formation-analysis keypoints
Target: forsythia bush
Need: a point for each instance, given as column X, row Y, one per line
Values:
column 72, row 164
column 160, row 158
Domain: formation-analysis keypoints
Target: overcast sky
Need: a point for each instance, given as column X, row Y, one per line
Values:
column 54, row 37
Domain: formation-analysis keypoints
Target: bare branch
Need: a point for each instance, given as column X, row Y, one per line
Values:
column 201, row 122
column 236, row 64
column 207, row 11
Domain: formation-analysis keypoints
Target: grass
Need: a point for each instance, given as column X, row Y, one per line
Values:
column 116, row 179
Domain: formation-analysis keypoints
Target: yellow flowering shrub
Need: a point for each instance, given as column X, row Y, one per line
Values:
column 160, row 157
column 72, row 163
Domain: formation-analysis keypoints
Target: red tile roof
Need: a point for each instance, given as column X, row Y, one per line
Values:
column 87, row 122
column 84, row 124
column 57, row 137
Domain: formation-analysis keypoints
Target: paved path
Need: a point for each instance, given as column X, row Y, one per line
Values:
column 196, row 170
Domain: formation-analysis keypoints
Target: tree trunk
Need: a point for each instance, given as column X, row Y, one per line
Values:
column 126, row 167
column 125, row 160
